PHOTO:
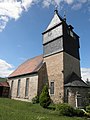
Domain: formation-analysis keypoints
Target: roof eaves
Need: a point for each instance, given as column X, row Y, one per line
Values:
column 35, row 72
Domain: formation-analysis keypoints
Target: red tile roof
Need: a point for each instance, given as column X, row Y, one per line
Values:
column 29, row 66
column 4, row 84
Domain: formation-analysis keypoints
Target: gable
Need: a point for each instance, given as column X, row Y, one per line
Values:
column 55, row 21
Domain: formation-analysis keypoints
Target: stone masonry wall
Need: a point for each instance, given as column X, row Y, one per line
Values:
column 82, row 94
column 71, row 64
column 42, row 78
column 54, row 65
column 32, row 91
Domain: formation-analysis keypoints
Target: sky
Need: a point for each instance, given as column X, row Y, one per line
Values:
column 23, row 21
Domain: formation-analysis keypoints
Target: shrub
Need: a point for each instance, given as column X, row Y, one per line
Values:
column 35, row 100
column 88, row 109
column 44, row 98
column 65, row 109
column 87, row 115
column 78, row 113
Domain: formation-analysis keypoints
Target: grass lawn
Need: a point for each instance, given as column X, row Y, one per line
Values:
column 17, row 110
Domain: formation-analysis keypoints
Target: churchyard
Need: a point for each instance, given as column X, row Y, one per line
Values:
column 19, row 110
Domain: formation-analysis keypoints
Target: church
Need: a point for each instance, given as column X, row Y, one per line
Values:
column 59, row 67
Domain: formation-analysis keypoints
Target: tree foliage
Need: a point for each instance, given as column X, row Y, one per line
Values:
column 44, row 98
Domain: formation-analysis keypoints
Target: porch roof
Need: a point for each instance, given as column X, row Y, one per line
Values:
column 75, row 81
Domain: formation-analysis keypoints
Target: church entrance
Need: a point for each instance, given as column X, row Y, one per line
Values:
column 78, row 100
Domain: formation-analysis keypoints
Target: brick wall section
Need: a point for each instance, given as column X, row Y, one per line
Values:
column 54, row 65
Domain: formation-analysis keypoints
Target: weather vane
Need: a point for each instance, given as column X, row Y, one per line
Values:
column 65, row 15
column 56, row 7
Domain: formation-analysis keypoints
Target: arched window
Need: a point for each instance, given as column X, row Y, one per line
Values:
column 18, row 88
column 12, row 88
column 27, row 87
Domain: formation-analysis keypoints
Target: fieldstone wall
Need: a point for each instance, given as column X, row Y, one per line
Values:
column 71, row 64
column 32, row 91
column 54, row 65
column 42, row 78
column 76, row 96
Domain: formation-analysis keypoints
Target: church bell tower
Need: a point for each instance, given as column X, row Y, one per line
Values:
column 61, row 55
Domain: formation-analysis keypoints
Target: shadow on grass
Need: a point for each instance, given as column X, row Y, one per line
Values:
column 51, row 107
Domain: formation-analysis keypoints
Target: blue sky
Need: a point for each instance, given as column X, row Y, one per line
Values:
column 23, row 21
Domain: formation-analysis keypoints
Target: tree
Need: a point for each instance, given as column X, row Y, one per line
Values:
column 44, row 98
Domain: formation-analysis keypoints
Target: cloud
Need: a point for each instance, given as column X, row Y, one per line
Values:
column 12, row 9
column 77, row 6
column 85, row 73
column 69, row 1
column 83, row 1
column 47, row 3
column 5, row 68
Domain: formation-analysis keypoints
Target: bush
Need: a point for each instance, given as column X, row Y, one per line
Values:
column 35, row 100
column 52, row 106
column 88, row 109
column 44, row 98
column 65, row 109
column 78, row 113
column 87, row 115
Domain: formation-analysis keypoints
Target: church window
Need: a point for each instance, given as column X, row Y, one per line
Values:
column 11, row 87
column 27, row 87
column 18, row 88
column 52, row 87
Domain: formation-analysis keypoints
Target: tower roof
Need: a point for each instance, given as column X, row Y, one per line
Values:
column 55, row 20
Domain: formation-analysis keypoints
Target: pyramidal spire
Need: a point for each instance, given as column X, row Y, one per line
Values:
column 55, row 20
